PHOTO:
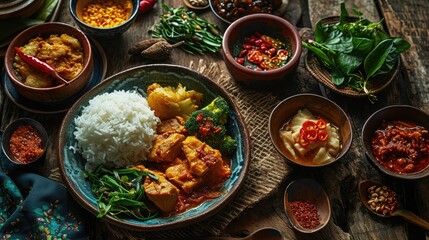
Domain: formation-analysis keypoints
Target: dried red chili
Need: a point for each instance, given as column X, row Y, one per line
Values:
column 305, row 213
column 26, row 144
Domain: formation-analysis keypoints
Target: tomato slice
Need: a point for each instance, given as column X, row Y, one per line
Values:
column 321, row 124
column 322, row 136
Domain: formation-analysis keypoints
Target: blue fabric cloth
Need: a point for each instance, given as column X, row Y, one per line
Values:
column 35, row 207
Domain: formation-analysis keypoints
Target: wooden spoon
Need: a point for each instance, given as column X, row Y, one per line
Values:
column 405, row 214
column 263, row 233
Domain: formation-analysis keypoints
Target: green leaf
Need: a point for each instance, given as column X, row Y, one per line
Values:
column 377, row 57
column 337, row 77
column 401, row 44
column 362, row 46
column 347, row 63
column 389, row 63
column 324, row 57
column 344, row 13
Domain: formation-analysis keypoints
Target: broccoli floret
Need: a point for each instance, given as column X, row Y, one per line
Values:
column 208, row 125
column 220, row 108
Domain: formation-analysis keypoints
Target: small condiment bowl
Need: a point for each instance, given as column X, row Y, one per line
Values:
column 306, row 189
column 320, row 107
column 190, row 6
column 76, row 7
column 393, row 112
column 10, row 129
column 265, row 24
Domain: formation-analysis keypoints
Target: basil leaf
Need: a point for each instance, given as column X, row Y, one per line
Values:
column 324, row 57
column 347, row 63
column 337, row 77
column 377, row 57
column 362, row 46
column 344, row 13
column 390, row 61
column 401, row 44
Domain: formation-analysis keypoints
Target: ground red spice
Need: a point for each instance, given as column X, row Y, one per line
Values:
column 26, row 144
column 305, row 213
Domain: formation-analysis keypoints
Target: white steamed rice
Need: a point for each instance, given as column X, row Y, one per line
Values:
column 116, row 129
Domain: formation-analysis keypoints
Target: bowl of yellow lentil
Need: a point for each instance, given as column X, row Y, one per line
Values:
column 104, row 18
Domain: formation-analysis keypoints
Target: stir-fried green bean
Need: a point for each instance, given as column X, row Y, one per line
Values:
column 198, row 34
column 120, row 193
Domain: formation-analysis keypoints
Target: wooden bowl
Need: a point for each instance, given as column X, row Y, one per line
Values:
column 61, row 91
column 71, row 163
column 10, row 129
column 321, row 74
column 265, row 24
column 393, row 112
column 320, row 107
column 307, row 190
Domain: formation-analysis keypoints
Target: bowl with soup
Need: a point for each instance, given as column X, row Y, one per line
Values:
column 104, row 18
column 48, row 49
column 310, row 130
column 261, row 48
column 396, row 141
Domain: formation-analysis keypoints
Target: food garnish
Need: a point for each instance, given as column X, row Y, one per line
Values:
column 305, row 213
column 198, row 34
column 146, row 6
column 382, row 200
column 262, row 52
column 355, row 51
column 120, row 192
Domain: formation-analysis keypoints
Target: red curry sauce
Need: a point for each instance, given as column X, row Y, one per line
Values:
column 26, row 144
column 402, row 147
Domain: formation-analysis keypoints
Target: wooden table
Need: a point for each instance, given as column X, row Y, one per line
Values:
column 405, row 18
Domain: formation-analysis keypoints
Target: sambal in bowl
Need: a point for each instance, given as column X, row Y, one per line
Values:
column 396, row 140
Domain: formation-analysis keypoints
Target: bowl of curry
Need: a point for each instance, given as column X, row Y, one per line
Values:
column 24, row 141
column 396, row 141
column 38, row 55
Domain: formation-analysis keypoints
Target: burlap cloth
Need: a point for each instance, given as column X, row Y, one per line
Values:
column 267, row 168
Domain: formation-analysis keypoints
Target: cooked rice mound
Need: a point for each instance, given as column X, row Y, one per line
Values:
column 116, row 129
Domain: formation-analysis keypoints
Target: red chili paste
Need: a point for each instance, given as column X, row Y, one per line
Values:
column 402, row 147
column 26, row 144
column 305, row 213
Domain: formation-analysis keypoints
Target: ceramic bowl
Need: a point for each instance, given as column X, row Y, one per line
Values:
column 215, row 7
column 269, row 25
column 320, row 107
column 71, row 164
column 393, row 112
column 307, row 189
column 190, row 6
column 19, row 9
column 61, row 91
column 10, row 129
column 76, row 7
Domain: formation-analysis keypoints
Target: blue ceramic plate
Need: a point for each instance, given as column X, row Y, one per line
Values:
column 72, row 164
column 98, row 74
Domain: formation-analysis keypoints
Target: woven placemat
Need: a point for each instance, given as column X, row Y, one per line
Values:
column 266, row 171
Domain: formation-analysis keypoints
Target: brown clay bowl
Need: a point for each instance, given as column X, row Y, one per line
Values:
column 393, row 112
column 307, row 190
column 267, row 24
column 320, row 107
column 61, row 91
column 19, row 9
column 10, row 129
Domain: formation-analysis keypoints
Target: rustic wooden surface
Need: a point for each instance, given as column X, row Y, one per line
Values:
column 406, row 18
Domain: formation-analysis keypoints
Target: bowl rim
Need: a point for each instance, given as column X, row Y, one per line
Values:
column 261, row 17
column 304, row 95
column 229, row 196
column 73, row 12
column 12, row 126
column 9, row 67
column 368, row 152
column 289, row 215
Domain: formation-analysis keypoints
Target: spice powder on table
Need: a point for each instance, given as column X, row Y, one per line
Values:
column 305, row 213
column 26, row 144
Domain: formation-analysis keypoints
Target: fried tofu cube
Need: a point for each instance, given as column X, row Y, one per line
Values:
column 200, row 156
column 162, row 193
column 175, row 125
column 166, row 147
column 180, row 176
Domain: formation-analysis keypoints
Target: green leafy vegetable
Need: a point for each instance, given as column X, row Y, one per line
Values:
column 120, row 193
column 198, row 34
column 355, row 50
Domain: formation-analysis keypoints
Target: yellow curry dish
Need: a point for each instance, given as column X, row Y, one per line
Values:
column 61, row 51
column 106, row 13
